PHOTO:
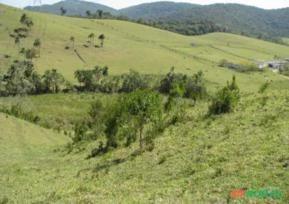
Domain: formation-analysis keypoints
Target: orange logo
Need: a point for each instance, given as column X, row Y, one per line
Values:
column 238, row 193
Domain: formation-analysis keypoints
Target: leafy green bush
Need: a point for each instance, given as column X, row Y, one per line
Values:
column 195, row 87
column 133, row 81
column 226, row 99
column 180, row 85
column 173, row 83
column 132, row 117
column 80, row 132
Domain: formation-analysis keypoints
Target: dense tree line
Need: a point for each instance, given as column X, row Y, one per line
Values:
column 188, row 27
column 21, row 78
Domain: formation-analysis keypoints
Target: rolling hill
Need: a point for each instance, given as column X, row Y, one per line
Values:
column 238, row 19
column 133, row 46
column 234, row 18
column 155, row 10
column 73, row 8
column 199, row 160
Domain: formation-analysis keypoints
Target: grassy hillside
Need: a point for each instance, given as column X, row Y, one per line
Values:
column 133, row 46
column 199, row 161
column 21, row 143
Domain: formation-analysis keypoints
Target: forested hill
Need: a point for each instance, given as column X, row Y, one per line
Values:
column 236, row 19
column 156, row 10
column 191, row 19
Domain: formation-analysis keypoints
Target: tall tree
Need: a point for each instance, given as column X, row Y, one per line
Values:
column 72, row 41
column 25, row 20
column 91, row 37
column 100, row 13
column 63, row 11
column 101, row 38
column 17, row 41
column 37, row 45
column 52, row 81
column 88, row 13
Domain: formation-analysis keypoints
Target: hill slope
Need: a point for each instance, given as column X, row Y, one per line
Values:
column 73, row 8
column 133, row 46
column 20, row 139
column 234, row 18
column 238, row 19
column 155, row 10
column 199, row 161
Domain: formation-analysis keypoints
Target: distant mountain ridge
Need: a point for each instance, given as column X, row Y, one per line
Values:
column 183, row 17
column 239, row 19
column 73, row 7
column 156, row 10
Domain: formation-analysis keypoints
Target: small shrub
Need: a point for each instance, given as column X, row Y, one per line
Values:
column 96, row 109
column 69, row 147
column 162, row 160
column 264, row 100
column 223, row 63
column 225, row 100
column 101, row 149
column 80, row 130
column 264, row 87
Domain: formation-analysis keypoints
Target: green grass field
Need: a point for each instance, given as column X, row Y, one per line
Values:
column 198, row 161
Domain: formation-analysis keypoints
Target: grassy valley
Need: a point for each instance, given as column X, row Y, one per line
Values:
column 158, row 135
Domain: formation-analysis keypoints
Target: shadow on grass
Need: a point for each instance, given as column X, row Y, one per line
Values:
column 117, row 161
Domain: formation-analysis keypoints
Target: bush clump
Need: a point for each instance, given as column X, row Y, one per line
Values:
column 226, row 99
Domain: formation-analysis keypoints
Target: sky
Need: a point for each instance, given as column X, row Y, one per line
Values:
column 266, row 4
